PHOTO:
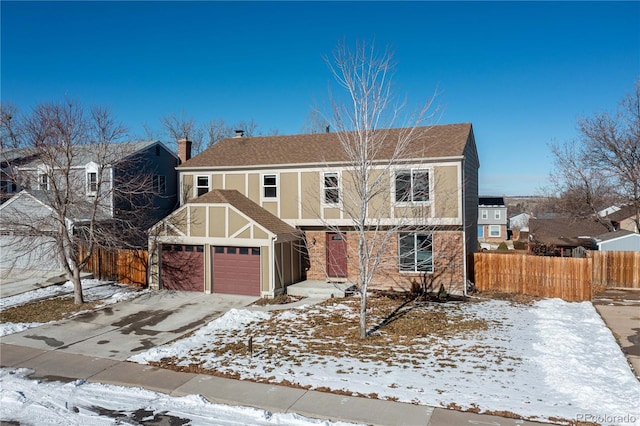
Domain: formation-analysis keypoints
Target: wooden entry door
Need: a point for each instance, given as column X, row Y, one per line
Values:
column 336, row 255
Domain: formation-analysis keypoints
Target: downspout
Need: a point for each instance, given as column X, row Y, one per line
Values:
column 274, row 266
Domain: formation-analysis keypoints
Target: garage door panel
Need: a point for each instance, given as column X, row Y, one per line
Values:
column 182, row 267
column 236, row 270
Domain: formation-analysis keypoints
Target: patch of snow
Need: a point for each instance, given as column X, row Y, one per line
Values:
column 552, row 359
column 40, row 402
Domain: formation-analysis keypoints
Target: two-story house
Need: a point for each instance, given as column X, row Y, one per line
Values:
column 10, row 160
column 124, row 187
column 492, row 220
column 260, row 213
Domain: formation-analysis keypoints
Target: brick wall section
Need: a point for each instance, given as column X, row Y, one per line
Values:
column 448, row 262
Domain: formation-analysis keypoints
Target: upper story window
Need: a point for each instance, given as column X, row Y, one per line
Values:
column 202, row 185
column 92, row 183
column 412, row 185
column 43, row 182
column 331, row 188
column 160, row 184
column 496, row 214
column 269, row 186
column 485, row 214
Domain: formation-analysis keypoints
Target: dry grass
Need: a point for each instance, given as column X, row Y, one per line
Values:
column 281, row 299
column 397, row 322
column 54, row 309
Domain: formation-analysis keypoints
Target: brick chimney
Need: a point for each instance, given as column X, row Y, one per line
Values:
column 184, row 150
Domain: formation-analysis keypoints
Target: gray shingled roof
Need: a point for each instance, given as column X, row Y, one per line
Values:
column 491, row 201
column 319, row 148
column 565, row 231
column 84, row 154
column 245, row 205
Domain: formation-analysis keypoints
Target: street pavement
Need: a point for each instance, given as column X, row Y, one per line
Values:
column 95, row 346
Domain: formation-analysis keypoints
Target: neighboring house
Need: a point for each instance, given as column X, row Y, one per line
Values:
column 519, row 226
column 567, row 237
column 31, row 208
column 624, row 218
column 10, row 160
column 492, row 220
column 607, row 211
column 621, row 240
column 260, row 213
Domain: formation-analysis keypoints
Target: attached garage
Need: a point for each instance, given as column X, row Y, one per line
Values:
column 182, row 267
column 222, row 242
column 236, row 270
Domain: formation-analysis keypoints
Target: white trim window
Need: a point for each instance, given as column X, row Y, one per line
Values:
column 415, row 252
column 43, row 182
column 202, row 185
column 484, row 214
column 92, row 183
column 160, row 184
column 494, row 231
column 270, row 186
column 412, row 186
column 331, row 188
column 496, row 214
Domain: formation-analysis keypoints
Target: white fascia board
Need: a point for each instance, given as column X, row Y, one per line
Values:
column 315, row 165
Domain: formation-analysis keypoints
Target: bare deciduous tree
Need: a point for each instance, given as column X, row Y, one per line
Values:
column 605, row 162
column 89, row 202
column 362, row 116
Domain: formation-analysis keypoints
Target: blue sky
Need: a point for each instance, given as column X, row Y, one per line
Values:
column 521, row 72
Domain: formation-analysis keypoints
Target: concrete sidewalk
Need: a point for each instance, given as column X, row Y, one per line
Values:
column 64, row 366
column 620, row 310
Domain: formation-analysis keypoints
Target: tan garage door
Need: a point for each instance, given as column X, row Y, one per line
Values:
column 236, row 270
column 182, row 267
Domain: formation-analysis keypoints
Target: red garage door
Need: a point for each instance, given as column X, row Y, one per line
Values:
column 236, row 270
column 182, row 267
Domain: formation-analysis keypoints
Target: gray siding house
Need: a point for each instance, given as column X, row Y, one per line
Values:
column 135, row 174
column 492, row 219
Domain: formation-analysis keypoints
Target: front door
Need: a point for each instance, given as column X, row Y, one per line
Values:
column 336, row 255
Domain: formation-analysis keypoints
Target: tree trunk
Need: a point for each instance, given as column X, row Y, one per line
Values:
column 363, row 312
column 78, row 298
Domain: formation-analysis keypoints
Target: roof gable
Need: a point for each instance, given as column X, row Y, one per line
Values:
column 321, row 148
column 252, row 210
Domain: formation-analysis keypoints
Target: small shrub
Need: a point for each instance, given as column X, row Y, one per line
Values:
column 503, row 246
column 519, row 245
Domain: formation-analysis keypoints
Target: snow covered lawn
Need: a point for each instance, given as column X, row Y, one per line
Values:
column 546, row 361
column 35, row 402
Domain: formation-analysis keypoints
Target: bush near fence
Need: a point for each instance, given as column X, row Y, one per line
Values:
column 120, row 265
column 568, row 278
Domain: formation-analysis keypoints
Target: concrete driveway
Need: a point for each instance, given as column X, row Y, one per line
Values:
column 121, row 330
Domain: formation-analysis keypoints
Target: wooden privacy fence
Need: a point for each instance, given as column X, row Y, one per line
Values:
column 567, row 278
column 121, row 265
column 616, row 268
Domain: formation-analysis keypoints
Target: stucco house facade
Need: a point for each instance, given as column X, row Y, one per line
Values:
column 283, row 202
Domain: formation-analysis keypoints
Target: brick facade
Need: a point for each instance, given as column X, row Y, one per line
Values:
column 447, row 254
